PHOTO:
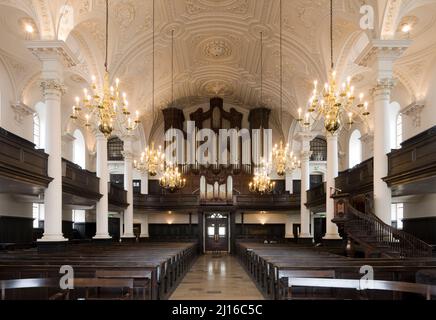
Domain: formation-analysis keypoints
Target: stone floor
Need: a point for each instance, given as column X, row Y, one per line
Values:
column 216, row 277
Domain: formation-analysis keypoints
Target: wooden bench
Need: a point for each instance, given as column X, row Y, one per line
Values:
column 141, row 278
column 427, row 291
column 78, row 283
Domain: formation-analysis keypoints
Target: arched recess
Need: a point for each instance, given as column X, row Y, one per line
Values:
column 354, row 149
column 79, row 149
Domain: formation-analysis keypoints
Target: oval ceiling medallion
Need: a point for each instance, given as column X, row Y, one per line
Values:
column 217, row 49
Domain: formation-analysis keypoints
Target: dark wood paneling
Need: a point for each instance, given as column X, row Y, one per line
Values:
column 259, row 118
column 79, row 182
column 260, row 232
column 16, row 230
column 267, row 202
column 86, row 230
column 23, row 169
column 117, row 197
column 172, row 231
column 114, row 228
column 316, row 198
column 357, row 180
column 414, row 163
column 422, row 228
column 67, row 229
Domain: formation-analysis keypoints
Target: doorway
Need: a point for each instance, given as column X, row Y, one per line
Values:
column 216, row 232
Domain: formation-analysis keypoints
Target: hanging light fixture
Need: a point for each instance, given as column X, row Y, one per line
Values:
column 172, row 179
column 152, row 160
column 261, row 182
column 336, row 105
column 107, row 110
column 283, row 159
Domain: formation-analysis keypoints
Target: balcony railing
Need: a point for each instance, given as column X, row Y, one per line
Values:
column 117, row 196
column 79, row 182
column 21, row 162
column 358, row 179
column 316, row 196
column 415, row 161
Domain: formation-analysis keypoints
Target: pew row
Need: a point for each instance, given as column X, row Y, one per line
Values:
column 267, row 264
column 155, row 268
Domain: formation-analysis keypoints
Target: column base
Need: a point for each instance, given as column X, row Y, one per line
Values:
column 51, row 246
column 332, row 236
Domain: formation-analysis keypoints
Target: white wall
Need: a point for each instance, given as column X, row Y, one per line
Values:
column 12, row 207
column 421, row 207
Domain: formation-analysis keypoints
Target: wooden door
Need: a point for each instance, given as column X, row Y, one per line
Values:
column 216, row 232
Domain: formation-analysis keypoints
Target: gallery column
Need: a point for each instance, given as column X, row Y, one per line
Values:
column 305, row 139
column 54, row 56
column 102, row 223
column 128, row 186
column 380, row 55
column 332, row 173
column 144, row 221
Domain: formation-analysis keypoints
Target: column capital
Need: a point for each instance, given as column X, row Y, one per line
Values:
column 127, row 155
column 367, row 137
column 305, row 156
column 52, row 87
column 307, row 135
column 99, row 135
column 414, row 110
column 383, row 87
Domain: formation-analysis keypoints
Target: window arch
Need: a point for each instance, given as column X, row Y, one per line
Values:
column 355, row 149
column 115, row 147
column 79, row 149
column 36, row 131
column 399, row 131
column 318, row 146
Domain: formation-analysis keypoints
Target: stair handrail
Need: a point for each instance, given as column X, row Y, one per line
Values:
column 396, row 239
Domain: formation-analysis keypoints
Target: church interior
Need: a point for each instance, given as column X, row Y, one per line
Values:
column 218, row 149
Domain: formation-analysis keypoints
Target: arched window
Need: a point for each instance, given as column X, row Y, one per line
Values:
column 399, row 131
column 355, row 149
column 318, row 146
column 115, row 147
column 36, row 131
column 79, row 149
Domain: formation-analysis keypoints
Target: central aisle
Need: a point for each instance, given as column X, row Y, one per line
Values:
column 216, row 277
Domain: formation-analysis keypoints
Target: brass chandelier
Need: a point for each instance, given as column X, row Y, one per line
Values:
column 283, row 159
column 107, row 110
column 261, row 182
column 172, row 179
column 152, row 159
column 335, row 104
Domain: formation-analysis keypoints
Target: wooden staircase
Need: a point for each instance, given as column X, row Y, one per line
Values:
column 377, row 238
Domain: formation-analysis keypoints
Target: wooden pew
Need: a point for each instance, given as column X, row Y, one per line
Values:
column 141, row 278
column 79, row 283
column 427, row 291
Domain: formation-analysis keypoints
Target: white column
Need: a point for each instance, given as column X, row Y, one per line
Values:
column 52, row 90
column 305, row 139
column 382, row 193
column 128, row 186
column 289, row 232
column 121, row 224
column 380, row 55
column 332, row 173
column 144, row 183
column 144, row 226
column 102, row 222
column 305, row 186
column 54, row 55
column 289, row 180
